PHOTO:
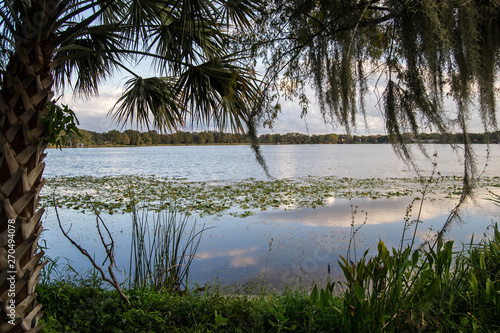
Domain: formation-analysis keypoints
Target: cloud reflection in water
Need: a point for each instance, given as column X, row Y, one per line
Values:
column 238, row 257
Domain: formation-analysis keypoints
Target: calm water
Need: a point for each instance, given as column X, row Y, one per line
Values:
column 206, row 163
column 276, row 246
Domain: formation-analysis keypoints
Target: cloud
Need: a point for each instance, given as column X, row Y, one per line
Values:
column 93, row 114
column 339, row 211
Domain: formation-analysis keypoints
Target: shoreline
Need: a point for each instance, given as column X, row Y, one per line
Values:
column 261, row 144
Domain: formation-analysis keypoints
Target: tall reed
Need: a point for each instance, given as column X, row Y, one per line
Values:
column 164, row 244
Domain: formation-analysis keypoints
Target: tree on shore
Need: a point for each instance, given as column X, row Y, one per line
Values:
column 49, row 45
column 114, row 137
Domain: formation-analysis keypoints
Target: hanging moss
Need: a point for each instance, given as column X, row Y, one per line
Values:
column 418, row 52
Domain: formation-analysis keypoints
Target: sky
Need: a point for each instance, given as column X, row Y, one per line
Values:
column 93, row 115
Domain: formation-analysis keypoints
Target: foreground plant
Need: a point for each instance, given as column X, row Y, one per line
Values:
column 162, row 250
column 431, row 288
column 450, row 293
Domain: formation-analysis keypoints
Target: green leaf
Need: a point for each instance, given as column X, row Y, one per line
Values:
column 360, row 293
column 313, row 298
column 489, row 290
column 62, row 122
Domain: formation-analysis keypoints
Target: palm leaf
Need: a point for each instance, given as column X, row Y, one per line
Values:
column 90, row 58
column 241, row 12
column 184, row 44
column 150, row 100
column 218, row 92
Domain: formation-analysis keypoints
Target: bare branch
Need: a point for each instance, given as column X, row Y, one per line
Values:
column 109, row 250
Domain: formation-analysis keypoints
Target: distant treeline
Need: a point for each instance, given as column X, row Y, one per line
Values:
column 136, row 138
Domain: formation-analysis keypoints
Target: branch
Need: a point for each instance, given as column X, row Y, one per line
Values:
column 108, row 247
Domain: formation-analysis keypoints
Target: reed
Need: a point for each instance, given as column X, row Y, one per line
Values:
column 164, row 244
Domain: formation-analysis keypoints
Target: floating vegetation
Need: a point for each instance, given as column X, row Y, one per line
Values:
column 118, row 194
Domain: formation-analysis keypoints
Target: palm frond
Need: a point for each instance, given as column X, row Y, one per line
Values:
column 6, row 51
column 92, row 39
column 81, row 22
column 8, row 20
column 219, row 92
column 112, row 12
column 150, row 101
column 240, row 12
column 213, row 93
column 91, row 58
column 70, row 13
column 175, row 41
column 142, row 14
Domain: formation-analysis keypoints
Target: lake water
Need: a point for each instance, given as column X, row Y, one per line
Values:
column 210, row 163
column 276, row 247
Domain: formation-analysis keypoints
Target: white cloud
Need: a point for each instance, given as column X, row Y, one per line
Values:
column 93, row 114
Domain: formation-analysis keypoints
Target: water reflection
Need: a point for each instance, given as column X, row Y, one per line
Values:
column 237, row 257
column 280, row 247
column 377, row 211
column 276, row 247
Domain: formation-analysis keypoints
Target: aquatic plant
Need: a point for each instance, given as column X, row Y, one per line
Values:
column 434, row 287
column 162, row 249
column 115, row 194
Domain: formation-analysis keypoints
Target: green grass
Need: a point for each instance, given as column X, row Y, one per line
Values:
column 76, row 308
column 163, row 248
column 433, row 288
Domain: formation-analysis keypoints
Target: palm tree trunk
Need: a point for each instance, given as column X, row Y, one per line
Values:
column 26, row 88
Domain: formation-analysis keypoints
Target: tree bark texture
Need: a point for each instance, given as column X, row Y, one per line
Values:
column 26, row 89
